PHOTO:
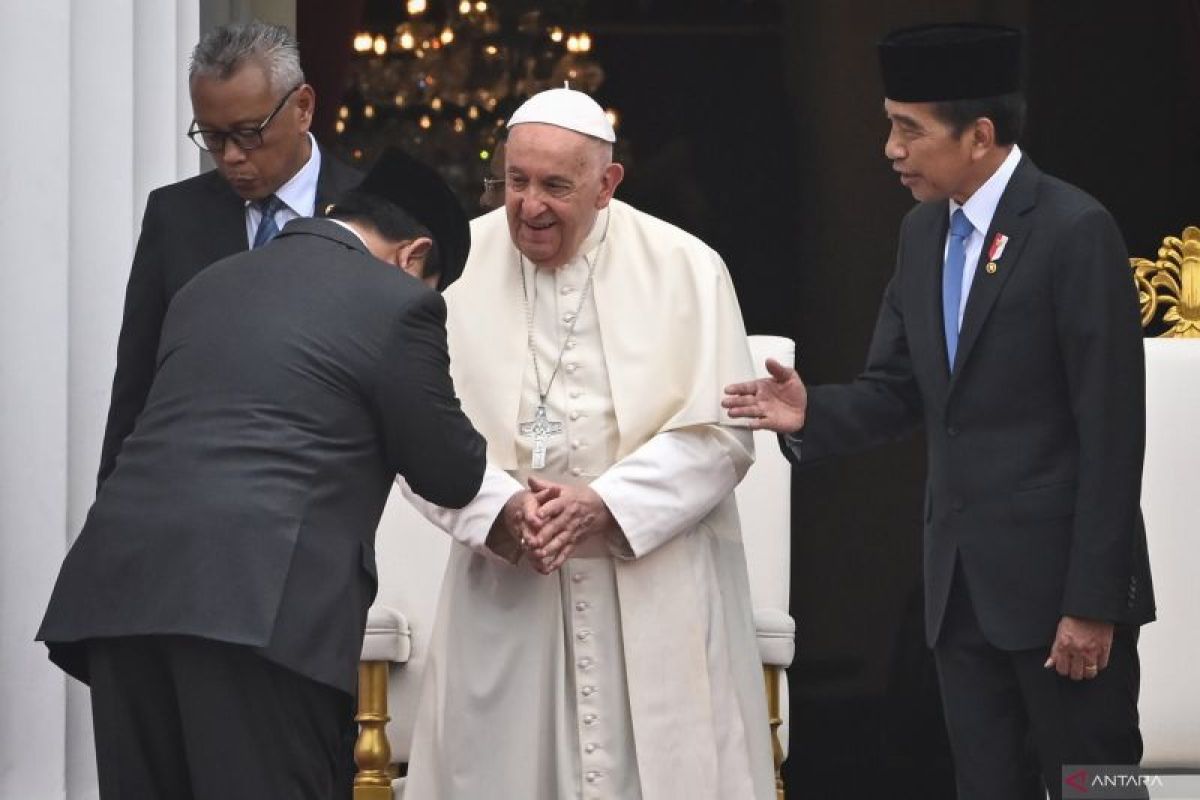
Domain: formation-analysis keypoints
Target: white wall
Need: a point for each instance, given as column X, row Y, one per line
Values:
column 93, row 104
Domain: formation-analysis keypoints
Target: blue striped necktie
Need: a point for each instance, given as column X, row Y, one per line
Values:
column 269, row 206
column 952, row 279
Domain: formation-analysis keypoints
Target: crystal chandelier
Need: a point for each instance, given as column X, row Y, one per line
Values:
column 442, row 78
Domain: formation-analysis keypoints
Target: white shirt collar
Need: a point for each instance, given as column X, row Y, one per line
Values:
column 981, row 206
column 300, row 193
column 350, row 228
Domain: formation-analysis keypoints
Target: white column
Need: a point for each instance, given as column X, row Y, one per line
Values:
column 34, row 163
column 95, row 100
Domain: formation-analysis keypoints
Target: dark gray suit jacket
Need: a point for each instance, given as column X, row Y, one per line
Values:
column 293, row 383
column 187, row 226
column 1035, row 441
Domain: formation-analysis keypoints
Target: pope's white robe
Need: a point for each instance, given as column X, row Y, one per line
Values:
column 627, row 674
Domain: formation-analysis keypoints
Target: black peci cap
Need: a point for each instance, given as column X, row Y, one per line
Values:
column 418, row 189
column 933, row 63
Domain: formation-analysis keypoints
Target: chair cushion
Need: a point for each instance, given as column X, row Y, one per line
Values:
column 776, row 632
column 387, row 636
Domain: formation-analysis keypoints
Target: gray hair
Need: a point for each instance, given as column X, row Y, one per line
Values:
column 224, row 50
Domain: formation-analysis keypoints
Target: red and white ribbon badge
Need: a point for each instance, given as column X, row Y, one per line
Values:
column 997, row 248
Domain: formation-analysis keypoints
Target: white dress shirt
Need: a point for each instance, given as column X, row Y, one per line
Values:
column 979, row 209
column 299, row 195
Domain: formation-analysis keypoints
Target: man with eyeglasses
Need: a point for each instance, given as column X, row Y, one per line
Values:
column 252, row 115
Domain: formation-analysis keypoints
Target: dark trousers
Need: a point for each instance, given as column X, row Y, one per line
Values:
column 183, row 718
column 1013, row 724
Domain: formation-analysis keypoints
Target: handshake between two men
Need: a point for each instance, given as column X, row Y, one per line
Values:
column 549, row 520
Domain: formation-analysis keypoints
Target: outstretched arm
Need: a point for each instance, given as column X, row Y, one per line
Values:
column 778, row 403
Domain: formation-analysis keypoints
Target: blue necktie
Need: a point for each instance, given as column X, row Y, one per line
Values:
column 952, row 279
column 267, row 228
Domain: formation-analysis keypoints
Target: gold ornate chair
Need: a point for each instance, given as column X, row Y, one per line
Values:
column 411, row 559
column 1172, row 285
column 1169, row 290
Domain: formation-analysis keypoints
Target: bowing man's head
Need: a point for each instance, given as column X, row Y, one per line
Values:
column 954, row 102
column 559, row 174
column 408, row 216
column 251, row 107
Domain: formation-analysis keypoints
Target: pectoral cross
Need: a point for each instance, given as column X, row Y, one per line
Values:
column 541, row 428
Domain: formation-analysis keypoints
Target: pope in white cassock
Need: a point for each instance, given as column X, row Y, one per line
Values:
column 595, row 635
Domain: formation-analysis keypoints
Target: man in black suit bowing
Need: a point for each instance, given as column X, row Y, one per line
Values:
column 252, row 113
column 1010, row 331
column 217, row 595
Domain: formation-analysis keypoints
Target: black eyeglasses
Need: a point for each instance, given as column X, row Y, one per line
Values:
column 244, row 138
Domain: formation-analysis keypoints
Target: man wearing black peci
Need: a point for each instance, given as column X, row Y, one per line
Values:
column 216, row 598
column 1010, row 332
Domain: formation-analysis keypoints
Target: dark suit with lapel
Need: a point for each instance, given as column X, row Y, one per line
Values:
column 187, row 226
column 293, row 383
column 1035, row 439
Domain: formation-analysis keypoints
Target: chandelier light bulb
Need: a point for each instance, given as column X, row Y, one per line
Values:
column 556, row 34
column 585, row 42
column 380, row 45
column 407, row 40
column 447, row 36
column 426, row 123
column 464, row 7
column 416, row 7
column 369, row 111
column 362, row 42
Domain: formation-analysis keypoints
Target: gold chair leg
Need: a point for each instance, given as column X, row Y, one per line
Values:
column 372, row 753
column 771, row 676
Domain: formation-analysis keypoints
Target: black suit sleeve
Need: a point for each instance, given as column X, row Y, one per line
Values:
column 137, row 347
column 882, row 404
column 1100, row 341
column 428, row 438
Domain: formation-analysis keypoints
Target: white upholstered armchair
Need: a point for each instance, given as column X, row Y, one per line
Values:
column 1170, row 647
column 411, row 557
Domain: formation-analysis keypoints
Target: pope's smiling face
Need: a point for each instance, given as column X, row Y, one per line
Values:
column 556, row 182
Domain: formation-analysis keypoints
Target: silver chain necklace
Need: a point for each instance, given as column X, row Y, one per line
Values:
column 541, row 427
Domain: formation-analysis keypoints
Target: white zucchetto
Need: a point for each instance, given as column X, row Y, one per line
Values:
column 566, row 108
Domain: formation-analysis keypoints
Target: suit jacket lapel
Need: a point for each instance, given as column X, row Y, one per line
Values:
column 333, row 181
column 1011, row 219
column 228, row 219
column 926, row 255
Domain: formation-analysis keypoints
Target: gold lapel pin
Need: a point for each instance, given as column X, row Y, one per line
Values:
column 991, row 268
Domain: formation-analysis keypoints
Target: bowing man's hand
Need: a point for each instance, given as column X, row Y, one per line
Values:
column 1081, row 648
column 572, row 514
column 778, row 403
column 521, row 519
